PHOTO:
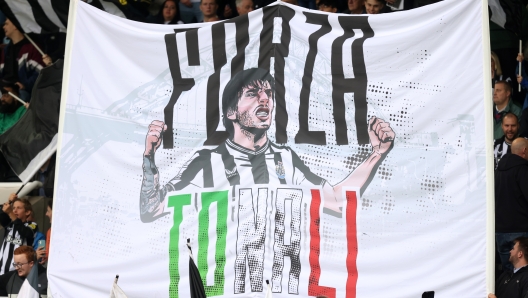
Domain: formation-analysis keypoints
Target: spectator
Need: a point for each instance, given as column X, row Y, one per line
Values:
column 496, row 71
column 13, row 218
column 355, row 7
column 190, row 11
column 226, row 9
column 11, row 110
column 292, row 2
column 505, row 42
column 208, row 8
column 510, row 128
column 20, row 62
column 514, row 284
column 11, row 282
column 168, row 14
column 327, row 5
column 503, row 105
column 511, row 199
column 376, row 7
column 244, row 6
column 42, row 253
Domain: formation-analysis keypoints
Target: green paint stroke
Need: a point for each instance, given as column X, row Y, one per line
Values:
column 220, row 197
column 177, row 202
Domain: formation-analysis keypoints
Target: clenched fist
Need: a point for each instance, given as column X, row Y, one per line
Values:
column 154, row 137
column 381, row 135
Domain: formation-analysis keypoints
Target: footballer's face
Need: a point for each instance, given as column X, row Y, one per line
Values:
column 255, row 106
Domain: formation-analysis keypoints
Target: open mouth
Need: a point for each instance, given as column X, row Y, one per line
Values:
column 262, row 113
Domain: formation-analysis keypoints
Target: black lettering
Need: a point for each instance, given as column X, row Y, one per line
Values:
column 279, row 52
column 358, row 84
column 287, row 243
column 304, row 135
column 215, row 137
column 179, row 85
column 251, row 236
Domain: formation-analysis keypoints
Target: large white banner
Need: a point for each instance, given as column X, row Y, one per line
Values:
column 327, row 154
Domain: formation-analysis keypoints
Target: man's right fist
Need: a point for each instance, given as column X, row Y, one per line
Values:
column 154, row 137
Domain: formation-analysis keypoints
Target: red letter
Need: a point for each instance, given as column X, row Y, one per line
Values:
column 314, row 289
column 352, row 245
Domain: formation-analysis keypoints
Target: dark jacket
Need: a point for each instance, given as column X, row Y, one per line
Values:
column 10, row 283
column 511, row 195
column 512, row 285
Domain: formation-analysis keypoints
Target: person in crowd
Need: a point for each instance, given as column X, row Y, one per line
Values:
column 522, row 79
column 505, row 42
column 13, row 218
column 190, row 11
column 511, row 199
column 42, row 253
column 24, row 261
column 355, row 7
column 168, row 14
column 376, row 7
column 502, row 145
column 502, row 105
column 11, row 110
column 208, row 8
column 20, row 61
column 496, row 71
column 244, row 6
column 514, row 283
column 226, row 9
column 328, row 5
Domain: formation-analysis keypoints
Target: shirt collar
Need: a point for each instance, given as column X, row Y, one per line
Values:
column 246, row 150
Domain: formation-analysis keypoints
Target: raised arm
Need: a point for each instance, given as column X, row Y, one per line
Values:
column 382, row 140
column 150, row 206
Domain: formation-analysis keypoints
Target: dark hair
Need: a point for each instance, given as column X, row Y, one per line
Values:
column 159, row 17
column 233, row 90
column 329, row 3
column 507, row 85
column 10, row 84
column 523, row 246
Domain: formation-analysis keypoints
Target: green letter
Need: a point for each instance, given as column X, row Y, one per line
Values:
column 177, row 202
column 220, row 197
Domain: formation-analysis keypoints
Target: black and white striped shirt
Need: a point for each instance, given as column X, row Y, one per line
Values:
column 230, row 164
column 17, row 233
column 500, row 148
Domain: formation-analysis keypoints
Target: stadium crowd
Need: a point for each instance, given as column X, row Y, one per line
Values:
column 24, row 245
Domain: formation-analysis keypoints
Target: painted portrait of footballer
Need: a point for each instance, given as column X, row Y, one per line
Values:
column 248, row 157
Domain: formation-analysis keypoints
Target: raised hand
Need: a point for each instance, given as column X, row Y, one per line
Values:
column 381, row 135
column 154, row 137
